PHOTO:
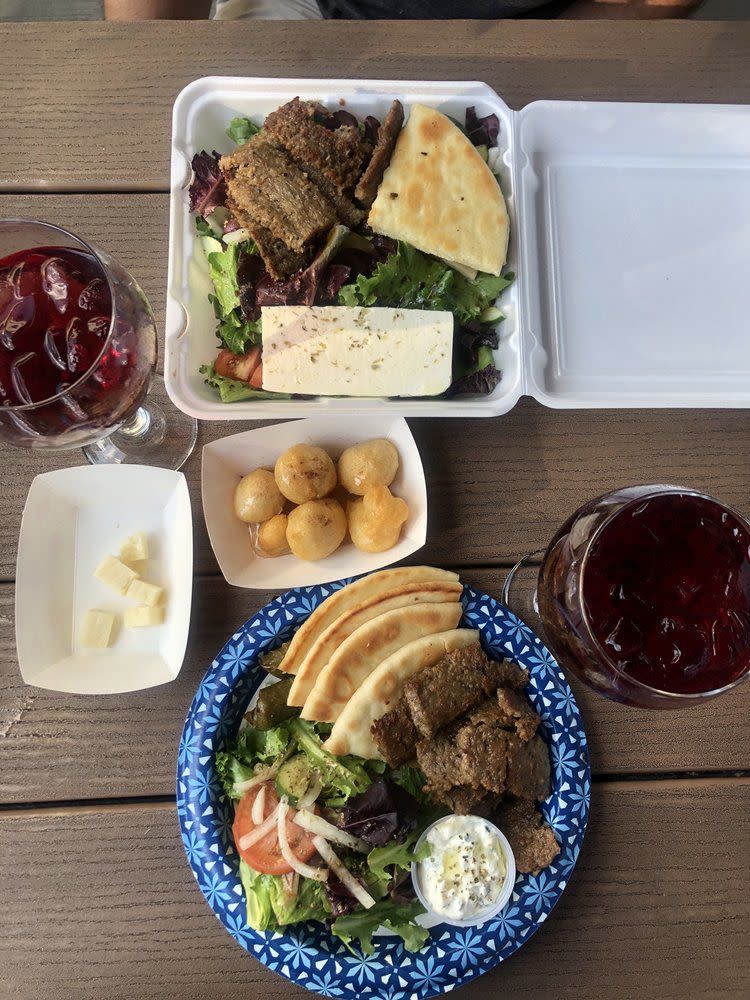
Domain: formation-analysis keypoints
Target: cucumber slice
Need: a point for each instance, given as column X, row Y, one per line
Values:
column 294, row 778
column 490, row 315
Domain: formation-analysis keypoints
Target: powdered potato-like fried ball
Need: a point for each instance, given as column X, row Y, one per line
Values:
column 367, row 465
column 305, row 472
column 316, row 529
column 375, row 519
column 257, row 497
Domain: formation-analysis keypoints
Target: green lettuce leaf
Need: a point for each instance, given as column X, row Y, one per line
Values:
column 241, row 129
column 412, row 779
column 398, row 917
column 342, row 776
column 235, row 332
column 270, row 904
column 380, row 859
column 233, row 391
column 203, row 228
column 239, row 758
column 222, row 266
column 409, row 279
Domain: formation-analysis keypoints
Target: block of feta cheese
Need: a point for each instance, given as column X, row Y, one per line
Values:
column 346, row 351
column 135, row 548
column 143, row 616
column 145, row 593
column 115, row 574
column 96, row 631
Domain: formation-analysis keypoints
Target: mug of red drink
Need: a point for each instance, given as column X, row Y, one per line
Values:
column 644, row 593
column 78, row 352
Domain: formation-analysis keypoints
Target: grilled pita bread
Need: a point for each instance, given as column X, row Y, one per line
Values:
column 365, row 649
column 383, row 688
column 349, row 597
column 439, row 195
column 327, row 644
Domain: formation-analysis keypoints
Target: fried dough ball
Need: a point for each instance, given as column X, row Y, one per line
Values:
column 367, row 465
column 316, row 529
column 305, row 472
column 375, row 519
column 257, row 497
column 271, row 541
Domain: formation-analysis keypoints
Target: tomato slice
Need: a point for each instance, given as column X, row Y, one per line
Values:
column 265, row 854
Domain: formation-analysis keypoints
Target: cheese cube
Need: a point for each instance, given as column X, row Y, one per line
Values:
column 135, row 548
column 143, row 616
column 145, row 593
column 97, row 629
column 345, row 351
column 115, row 574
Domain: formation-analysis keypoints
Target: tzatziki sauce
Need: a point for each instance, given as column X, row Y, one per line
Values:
column 464, row 875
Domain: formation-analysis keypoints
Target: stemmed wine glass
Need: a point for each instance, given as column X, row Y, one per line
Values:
column 78, row 353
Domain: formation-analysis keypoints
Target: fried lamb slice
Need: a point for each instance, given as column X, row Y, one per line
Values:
column 388, row 132
column 441, row 761
column 531, row 838
column 338, row 155
column 464, row 800
column 517, row 713
column 274, row 192
column 484, row 759
column 528, row 774
column 456, row 683
column 395, row 736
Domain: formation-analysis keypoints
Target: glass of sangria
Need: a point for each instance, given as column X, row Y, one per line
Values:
column 644, row 594
column 78, row 353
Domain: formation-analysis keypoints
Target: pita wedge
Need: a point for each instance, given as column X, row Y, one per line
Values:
column 323, row 649
column 365, row 649
column 349, row 597
column 439, row 195
column 383, row 688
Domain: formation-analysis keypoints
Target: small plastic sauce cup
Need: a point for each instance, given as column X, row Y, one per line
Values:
column 483, row 915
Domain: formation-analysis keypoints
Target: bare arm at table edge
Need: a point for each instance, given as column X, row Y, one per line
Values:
column 621, row 9
column 156, row 10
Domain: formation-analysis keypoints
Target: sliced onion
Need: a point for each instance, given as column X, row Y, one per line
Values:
column 313, row 791
column 259, row 832
column 259, row 806
column 236, row 236
column 305, row 870
column 316, row 824
column 339, row 869
column 241, row 787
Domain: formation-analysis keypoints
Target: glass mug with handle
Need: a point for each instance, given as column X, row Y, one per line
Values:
column 644, row 593
column 78, row 353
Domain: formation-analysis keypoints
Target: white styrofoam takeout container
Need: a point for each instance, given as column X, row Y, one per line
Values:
column 226, row 461
column 630, row 234
column 73, row 518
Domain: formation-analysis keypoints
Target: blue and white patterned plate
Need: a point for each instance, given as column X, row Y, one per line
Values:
column 308, row 954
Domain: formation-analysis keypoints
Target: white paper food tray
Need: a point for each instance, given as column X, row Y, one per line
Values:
column 227, row 460
column 73, row 518
column 630, row 236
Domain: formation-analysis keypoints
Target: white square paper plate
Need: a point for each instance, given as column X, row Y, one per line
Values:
column 227, row 460
column 72, row 519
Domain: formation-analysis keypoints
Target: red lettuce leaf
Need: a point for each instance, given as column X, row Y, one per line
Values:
column 208, row 189
column 482, row 131
column 382, row 814
column 482, row 382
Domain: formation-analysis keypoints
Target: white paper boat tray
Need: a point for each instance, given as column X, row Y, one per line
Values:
column 630, row 240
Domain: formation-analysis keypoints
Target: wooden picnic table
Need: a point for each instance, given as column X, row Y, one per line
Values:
column 97, row 897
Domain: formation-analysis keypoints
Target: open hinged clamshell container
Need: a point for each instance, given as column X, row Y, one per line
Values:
column 630, row 239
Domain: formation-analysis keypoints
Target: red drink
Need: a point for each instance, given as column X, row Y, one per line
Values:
column 646, row 594
column 77, row 339
column 55, row 311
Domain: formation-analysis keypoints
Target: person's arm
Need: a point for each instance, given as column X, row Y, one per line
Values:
column 154, row 10
column 616, row 9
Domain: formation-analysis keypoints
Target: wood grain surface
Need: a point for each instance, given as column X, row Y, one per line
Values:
column 98, row 900
column 101, row 903
column 93, row 104
column 126, row 745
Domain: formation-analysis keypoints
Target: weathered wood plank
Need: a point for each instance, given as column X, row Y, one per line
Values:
column 91, row 108
column 102, row 903
column 62, row 747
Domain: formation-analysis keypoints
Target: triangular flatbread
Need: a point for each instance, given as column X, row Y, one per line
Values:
column 439, row 195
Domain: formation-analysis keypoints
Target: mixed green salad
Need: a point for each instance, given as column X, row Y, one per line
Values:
column 354, row 267
column 322, row 838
